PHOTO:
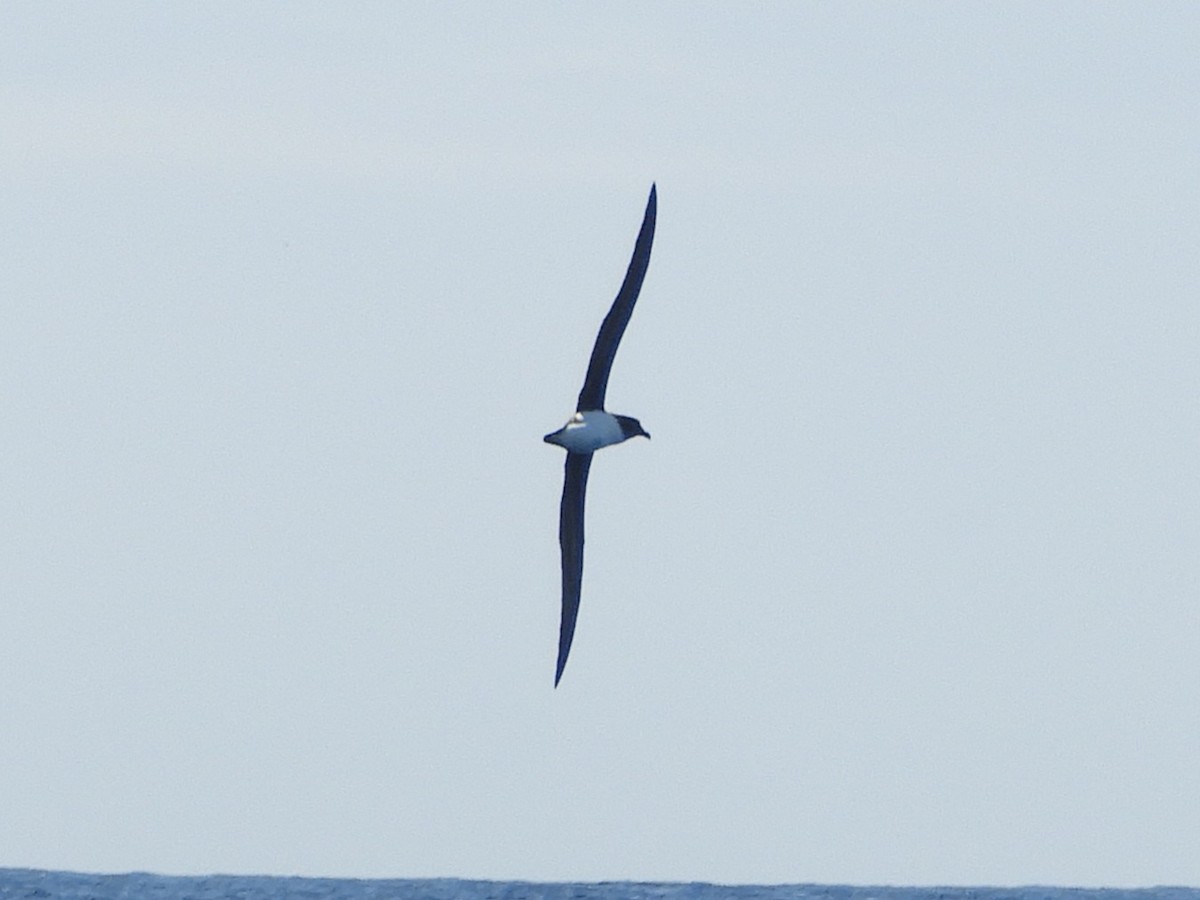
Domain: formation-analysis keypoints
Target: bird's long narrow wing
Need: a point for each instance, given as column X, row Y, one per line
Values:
column 570, row 538
column 605, row 349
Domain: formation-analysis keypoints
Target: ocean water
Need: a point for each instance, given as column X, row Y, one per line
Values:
column 35, row 883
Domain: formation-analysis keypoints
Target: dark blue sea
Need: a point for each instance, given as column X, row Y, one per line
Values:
column 34, row 883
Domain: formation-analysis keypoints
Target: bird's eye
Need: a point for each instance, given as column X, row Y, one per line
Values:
column 578, row 417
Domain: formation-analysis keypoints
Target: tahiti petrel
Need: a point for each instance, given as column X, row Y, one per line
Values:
column 592, row 428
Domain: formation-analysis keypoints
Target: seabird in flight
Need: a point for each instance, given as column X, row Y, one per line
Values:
column 592, row 428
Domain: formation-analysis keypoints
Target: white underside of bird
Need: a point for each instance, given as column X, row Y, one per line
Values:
column 588, row 431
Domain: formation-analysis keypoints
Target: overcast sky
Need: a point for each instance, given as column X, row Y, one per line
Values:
column 904, row 589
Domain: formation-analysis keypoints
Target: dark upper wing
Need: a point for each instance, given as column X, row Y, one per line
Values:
column 570, row 539
column 594, row 385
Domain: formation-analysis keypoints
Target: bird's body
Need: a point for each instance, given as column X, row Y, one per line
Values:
column 592, row 428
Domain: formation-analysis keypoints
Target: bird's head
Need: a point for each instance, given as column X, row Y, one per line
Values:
column 631, row 427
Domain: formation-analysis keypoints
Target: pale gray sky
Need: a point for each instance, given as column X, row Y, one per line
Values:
column 904, row 589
